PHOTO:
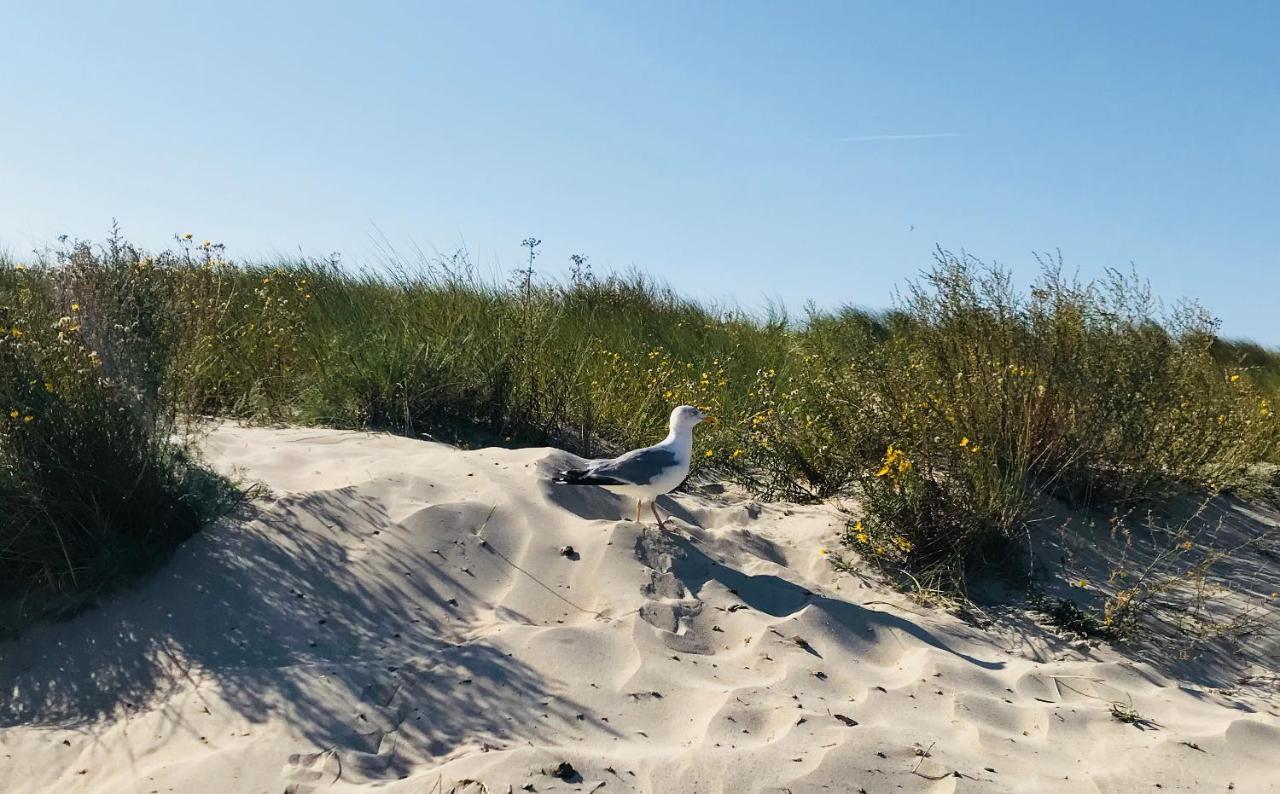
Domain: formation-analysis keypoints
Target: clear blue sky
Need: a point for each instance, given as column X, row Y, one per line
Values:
column 738, row 150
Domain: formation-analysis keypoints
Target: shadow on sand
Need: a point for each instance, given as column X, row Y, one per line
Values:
column 301, row 613
column 780, row 598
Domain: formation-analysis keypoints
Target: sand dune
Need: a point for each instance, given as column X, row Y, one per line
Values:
column 404, row 615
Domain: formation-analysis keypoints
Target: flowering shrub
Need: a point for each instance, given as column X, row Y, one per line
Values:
column 93, row 485
column 987, row 402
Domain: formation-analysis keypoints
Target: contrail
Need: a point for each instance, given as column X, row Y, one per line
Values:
column 919, row 136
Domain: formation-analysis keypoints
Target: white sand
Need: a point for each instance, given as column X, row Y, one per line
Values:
column 359, row 633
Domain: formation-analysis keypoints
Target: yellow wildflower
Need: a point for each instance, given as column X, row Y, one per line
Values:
column 15, row 332
column 1234, row 377
column 964, row 441
column 861, row 537
column 13, row 414
column 884, row 470
column 75, row 307
column 1081, row 583
column 28, row 418
column 708, row 453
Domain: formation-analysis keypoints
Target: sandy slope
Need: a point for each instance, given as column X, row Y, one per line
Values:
column 399, row 614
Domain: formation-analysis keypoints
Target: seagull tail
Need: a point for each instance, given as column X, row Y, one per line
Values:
column 569, row 476
column 583, row 477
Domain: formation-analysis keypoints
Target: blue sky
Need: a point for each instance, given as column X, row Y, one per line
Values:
column 741, row 151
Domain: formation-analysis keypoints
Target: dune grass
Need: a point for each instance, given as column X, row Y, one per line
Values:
column 947, row 418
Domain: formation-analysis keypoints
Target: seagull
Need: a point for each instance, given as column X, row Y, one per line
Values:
column 645, row 473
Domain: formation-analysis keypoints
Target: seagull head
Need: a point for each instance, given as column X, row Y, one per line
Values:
column 686, row 416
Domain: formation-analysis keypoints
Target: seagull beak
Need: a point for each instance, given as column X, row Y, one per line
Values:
column 711, row 420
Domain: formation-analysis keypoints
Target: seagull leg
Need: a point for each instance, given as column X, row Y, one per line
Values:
column 654, row 505
column 638, row 503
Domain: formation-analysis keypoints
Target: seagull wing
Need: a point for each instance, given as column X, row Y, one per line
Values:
column 637, row 467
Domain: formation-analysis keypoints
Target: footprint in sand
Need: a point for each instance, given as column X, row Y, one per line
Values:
column 668, row 607
column 305, row 771
column 368, row 752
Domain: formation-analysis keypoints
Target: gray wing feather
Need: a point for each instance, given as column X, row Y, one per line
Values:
column 638, row 467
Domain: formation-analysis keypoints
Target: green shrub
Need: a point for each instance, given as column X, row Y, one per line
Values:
column 94, row 485
column 983, row 401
